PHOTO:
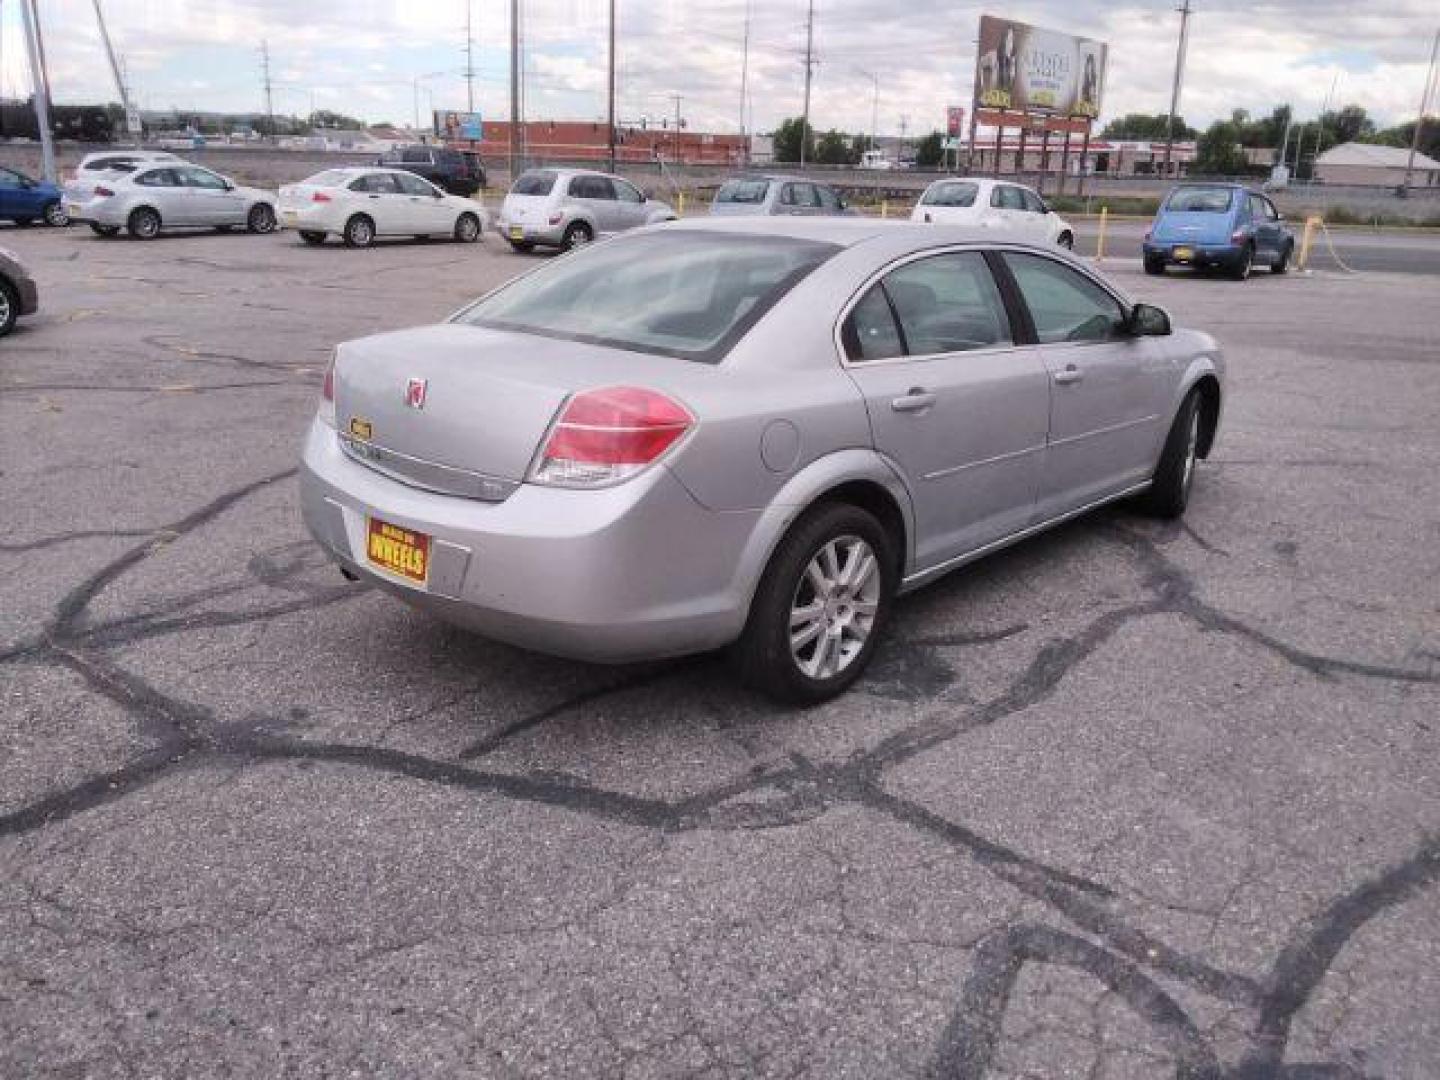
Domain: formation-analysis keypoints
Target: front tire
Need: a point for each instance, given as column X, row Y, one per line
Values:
column 1169, row 492
column 313, row 238
column 577, row 235
column 1067, row 241
column 821, row 606
column 144, row 224
column 261, row 218
column 467, row 228
column 1155, row 266
column 104, row 230
column 55, row 215
column 359, row 232
column 9, row 308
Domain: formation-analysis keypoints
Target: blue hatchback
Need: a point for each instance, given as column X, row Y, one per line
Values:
column 23, row 200
column 1224, row 225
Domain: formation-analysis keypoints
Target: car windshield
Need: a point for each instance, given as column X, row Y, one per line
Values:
column 534, row 183
column 685, row 294
column 951, row 194
column 1200, row 200
column 742, row 191
column 328, row 178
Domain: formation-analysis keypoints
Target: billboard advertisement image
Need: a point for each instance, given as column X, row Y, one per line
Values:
column 459, row 125
column 1023, row 68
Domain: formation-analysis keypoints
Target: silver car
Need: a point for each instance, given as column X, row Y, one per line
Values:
column 568, row 207
column 169, row 195
column 792, row 196
column 748, row 433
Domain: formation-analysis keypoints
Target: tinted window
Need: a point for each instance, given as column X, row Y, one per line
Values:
column 534, row 183
column 951, row 194
column 1200, row 200
column 1064, row 304
column 416, row 156
column 412, row 185
column 379, row 183
column 684, row 294
column 749, row 192
column 870, row 331
column 947, row 303
column 591, row 187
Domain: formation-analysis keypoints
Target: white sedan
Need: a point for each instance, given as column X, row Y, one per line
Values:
column 360, row 204
column 994, row 204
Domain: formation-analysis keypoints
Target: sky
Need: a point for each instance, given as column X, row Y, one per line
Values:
column 380, row 59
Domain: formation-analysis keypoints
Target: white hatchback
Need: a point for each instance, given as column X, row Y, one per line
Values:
column 363, row 203
column 994, row 204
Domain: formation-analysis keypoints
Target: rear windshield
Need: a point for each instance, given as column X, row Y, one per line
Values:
column 1200, row 200
column 534, row 183
column 328, row 178
column 742, row 191
column 951, row 194
column 686, row 294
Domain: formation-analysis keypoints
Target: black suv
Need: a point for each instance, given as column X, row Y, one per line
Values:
column 457, row 171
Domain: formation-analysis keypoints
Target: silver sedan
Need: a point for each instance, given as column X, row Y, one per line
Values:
column 168, row 195
column 752, row 433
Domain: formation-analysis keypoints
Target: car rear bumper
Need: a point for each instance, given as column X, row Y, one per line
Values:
column 308, row 217
column 1188, row 254
column 633, row 572
column 531, row 232
column 96, row 211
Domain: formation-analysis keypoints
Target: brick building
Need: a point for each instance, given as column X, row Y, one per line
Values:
column 585, row 140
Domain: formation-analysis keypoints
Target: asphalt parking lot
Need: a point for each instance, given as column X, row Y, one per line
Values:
column 1128, row 800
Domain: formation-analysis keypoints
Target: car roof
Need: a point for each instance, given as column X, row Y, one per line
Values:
column 845, row 231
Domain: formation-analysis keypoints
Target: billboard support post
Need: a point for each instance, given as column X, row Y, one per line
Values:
column 1020, row 156
column 1044, row 159
column 1065, row 161
column 999, row 144
column 1084, row 156
column 970, row 151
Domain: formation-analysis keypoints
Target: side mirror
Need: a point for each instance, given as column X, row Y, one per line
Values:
column 1147, row 320
column 843, row 204
column 229, row 186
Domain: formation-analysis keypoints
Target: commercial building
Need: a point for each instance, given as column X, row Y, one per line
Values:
column 585, row 140
column 1381, row 166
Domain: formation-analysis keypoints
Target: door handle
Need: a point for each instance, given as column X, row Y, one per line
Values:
column 1071, row 374
column 916, row 399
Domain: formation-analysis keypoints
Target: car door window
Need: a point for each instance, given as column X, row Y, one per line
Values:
column 1261, row 209
column 1064, row 304
column 626, row 192
column 957, row 194
column 1031, row 200
column 787, row 194
column 412, row 185
column 829, row 201
column 9, row 180
column 1011, row 198
column 158, row 178
column 871, row 332
column 947, row 303
column 201, row 178
column 376, row 184
column 416, row 157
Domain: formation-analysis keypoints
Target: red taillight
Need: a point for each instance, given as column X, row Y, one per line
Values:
column 104, row 192
column 604, row 436
column 319, row 196
column 327, row 393
column 1238, row 236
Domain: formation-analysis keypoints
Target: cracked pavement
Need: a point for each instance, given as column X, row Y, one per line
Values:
column 1131, row 799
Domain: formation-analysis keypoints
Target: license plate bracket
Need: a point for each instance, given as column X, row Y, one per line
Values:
column 517, row 232
column 397, row 550
column 1183, row 254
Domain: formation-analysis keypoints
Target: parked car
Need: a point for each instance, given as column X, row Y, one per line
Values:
column 158, row 196
column 568, row 207
column 458, row 172
column 1218, row 225
column 788, row 195
column 24, row 199
column 1015, row 209
column 93, row 166
column 360, row 204
column 18, row 295
column 747, row 433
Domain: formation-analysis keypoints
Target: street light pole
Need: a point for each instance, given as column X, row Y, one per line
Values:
column 42, row 87
column 610, row 88
column 1420, row 119
column 1184, row 10
column 514, row 88
column 809, row 67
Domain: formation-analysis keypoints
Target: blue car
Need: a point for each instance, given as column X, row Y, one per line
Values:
column 1218, row 225
column 23, row 200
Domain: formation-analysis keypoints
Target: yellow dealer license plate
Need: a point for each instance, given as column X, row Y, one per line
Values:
column 401, row 551
column 1184, row 254
column 517, row 232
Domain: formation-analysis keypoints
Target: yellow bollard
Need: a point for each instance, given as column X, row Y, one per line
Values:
column 884, row 208
column 1312, row 222
column 680, row 204
column 1100, row 241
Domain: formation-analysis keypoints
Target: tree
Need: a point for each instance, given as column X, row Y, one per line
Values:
column 1146, row 126
column 787, row 140
column 834, row 149
column 1218, row 153
column 929, row 152
column 1404, row 134
column 1350, row 124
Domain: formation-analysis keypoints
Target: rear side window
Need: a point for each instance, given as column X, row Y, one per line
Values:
column 591, row 187
column 158, row 178
column 828, row 199
column 745, row 192
column 413, row 185
column 376, row 184
column 1032, row 201
column 1064, row 304
column 1200, row 200
column 871, row 332
column 534, row 183
column 951, row 194
column 1005, row 197
column 948, row 303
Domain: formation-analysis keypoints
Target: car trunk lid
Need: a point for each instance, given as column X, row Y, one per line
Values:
column 1195, row 226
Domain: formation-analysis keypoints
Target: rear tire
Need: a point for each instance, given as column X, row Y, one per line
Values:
column 104, row 230
column 577, row 235
column 143, row 224
column 55, row 215
column 1282, row 264
column 467, row 228
column 315, row 238
column 1241, row 270
column 9, row 307
column 1155, row 266
column 1169, row 492
column 844, row 612
column 359, row 232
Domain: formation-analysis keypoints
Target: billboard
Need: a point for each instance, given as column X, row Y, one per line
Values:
column 459, row 125
column 1022, row 68
column 954, row 120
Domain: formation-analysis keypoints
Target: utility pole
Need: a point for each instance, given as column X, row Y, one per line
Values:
column 514, row 89
column 744, row 81
column 676, row 142
column 1420, row 119
column 469, row 60
column 269, row 89
column 610, row 89
column 1184, row 10
column 115, row 68
column 1319, row 131
column 809, row 68
column 41, row 82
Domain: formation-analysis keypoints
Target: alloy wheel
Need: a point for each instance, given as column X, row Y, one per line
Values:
column 834, row 607
column 1192, row 442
